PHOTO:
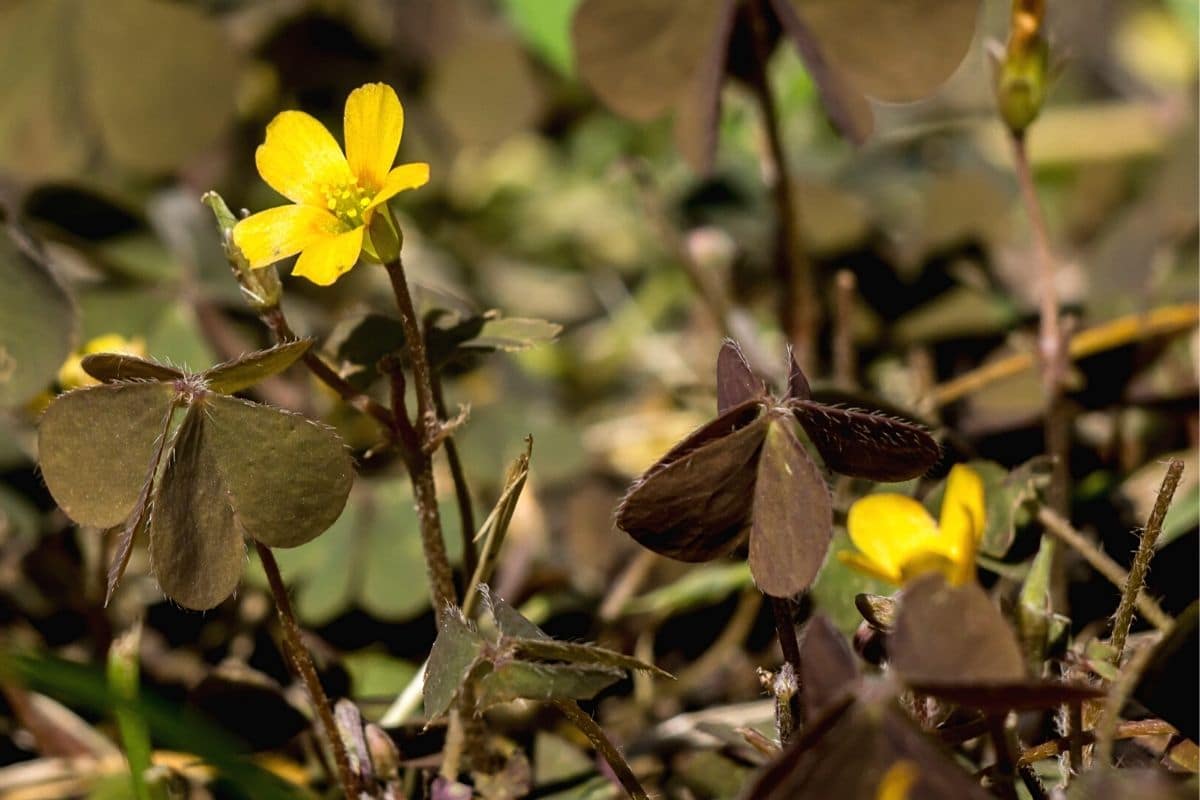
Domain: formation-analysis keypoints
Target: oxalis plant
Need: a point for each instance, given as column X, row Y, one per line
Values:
column 174, row 456
column 745, row 476
column 941, row 665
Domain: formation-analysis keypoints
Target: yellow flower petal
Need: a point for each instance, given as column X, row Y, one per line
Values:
column 898, row 781
column 324, row 261
column 865, row 565
column 277, row 233
column 966, row 549
column 300, row 159
column 923, row 562
column 889, row 528
column 373, row 123
column 405, row 176
column 964, row 513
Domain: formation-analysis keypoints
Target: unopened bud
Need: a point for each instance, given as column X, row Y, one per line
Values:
column 1021, row 82
column 260, row 287
column 385, row 758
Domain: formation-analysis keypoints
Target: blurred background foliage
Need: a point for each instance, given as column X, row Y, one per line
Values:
column 116, row 116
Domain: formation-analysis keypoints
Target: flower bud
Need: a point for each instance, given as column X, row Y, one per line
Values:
column 260, row 287
column 1021, row 82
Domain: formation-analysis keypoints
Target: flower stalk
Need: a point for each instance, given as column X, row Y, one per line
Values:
column 302, row 664
column 419, row 459
column 799, row 313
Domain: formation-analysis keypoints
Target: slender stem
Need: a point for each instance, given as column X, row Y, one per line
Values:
column 1118, row 694
column 784, row 686
column 786, row 700
column 437, row 561
column 301, row 662
column 1100, row 561
column 798, row 310
column 1005, row 768
column 1050, row 333
column 1075, row 736
column 1052, row 350
column 274, row 319
column 845, row 360
column 427, row 420
column 1126, row 730
column 1033, row 784
column 604, row 746
column 462, row 491
column 708, row 287
column 452, row 750
column 786, row 630
column 1141, row 561
column 419, row 460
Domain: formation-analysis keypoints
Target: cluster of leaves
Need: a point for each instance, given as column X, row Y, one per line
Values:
column 521, row 662
column 745, row 474
column 229, row 468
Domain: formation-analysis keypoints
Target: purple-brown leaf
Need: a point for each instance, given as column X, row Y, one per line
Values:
column 694, row 504
column 953, row 635
column 736, row 381
column 827, row 666
column 798, row 388
column 793, row 515
column 867, row 445
column 110, row 367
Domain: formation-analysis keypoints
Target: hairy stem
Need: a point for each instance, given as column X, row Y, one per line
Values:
column 1005, row 771
column 785, row 629
column 1141, row 561
column 419, row 461
column 604, row 746
column 1100, row 561
column 1126, row 730
column 1118, row 694
column 437, row 561
column 301, row 662
column 781, row 607
column 462, row 491
column 414, row 338
column 798, row 306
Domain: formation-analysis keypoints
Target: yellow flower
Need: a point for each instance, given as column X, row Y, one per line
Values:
column 335, row 195
column 898, row 540
column 71, row 374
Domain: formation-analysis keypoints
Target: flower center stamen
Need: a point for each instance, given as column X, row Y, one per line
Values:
column 348, row 202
